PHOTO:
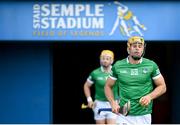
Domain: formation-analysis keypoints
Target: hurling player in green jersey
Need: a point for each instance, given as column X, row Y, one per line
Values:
column 136, row 76
column 98, row 78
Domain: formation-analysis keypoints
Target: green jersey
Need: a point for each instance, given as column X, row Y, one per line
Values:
column 135, row 81
column 98, row 77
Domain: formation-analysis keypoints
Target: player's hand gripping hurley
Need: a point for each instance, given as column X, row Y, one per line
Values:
column 124, row 110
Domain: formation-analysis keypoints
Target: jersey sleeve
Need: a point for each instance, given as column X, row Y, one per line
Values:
column 156, row 72
column 113, row 74
column 90, row 78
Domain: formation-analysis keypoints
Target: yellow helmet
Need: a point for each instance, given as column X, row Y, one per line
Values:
column 135, row 39
column 107, row 52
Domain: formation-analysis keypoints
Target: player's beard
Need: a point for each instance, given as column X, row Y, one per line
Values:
column 136, row 57
column 105, row 66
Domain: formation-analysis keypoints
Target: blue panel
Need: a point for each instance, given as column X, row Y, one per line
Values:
column 98, row 20
column 25, row 84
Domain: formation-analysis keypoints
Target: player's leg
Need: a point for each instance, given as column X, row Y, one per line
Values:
column 145, row 119
column 137, row 30
column 110, row 121
column 136, row 21
column 100, row 121
column 137, row 120
column 111, row 118
column 125, row 27
column 99, row 118
column 115, row 26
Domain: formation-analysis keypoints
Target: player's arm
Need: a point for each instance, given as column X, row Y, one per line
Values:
column 158, row 91
column 110, row 96
column 87, row 92
column 160, row 87
column 108, row 90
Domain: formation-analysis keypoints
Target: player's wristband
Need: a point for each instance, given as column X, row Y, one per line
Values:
column 89, row 99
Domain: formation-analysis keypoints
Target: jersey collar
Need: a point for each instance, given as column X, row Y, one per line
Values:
column 102, row 69
column 139, row 61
